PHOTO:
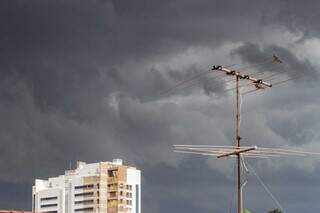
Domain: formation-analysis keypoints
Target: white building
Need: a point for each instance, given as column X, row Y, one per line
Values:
column 108, row 187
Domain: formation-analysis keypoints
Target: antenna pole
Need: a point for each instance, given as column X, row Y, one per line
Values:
column 237, row 150
column 259, row 84
column 238, row 138
column 237, row 113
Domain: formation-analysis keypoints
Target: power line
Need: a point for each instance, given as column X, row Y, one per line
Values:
column 246, row 85
column 268, row 61
column 258, row 73
column 205, row 82
column 188, row 80
column 183, row 82
column 274, row 84
column 197, row 76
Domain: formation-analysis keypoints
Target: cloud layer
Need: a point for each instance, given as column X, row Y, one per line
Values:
column 80, row 80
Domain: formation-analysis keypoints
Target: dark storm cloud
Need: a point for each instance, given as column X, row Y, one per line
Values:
column 298, row 16
column 13, row 192
column 253, row 54
column 187, row 187
column 80, row 81
column 293, row 126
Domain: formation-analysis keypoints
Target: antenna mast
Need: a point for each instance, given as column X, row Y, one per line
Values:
column 237, row 150
column 238, row 138
column 259, row 84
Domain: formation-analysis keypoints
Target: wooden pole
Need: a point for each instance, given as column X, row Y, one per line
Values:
column 238, row 145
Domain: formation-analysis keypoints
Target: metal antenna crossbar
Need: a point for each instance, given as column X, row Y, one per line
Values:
column 237, row 152
column 247, row 151
column 258, row 82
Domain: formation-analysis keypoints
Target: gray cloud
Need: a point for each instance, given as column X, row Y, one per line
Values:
column 254, row 54
column 80, row 80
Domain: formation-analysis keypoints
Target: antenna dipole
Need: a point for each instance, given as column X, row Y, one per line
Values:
column 259, row 84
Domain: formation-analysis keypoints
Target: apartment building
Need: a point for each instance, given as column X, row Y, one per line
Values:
column 108, row 187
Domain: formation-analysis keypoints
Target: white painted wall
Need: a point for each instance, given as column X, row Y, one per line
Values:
column 134, row 178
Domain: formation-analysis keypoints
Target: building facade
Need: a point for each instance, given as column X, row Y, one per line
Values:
column 106, row 187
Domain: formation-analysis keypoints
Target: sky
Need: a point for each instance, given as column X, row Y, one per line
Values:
column 80, row 80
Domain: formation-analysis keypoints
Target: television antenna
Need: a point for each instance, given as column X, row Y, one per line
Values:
column 238, row 151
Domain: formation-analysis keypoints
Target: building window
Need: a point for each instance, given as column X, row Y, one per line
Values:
column 128, row 187
column 84, row 202
column 84, row 194
column 137, row 199
column 89, row 186
column 86, row 209
column 34, row 203
column 112, row 194
column 112, row 173
column 113, row 187
column 48, row 205
column 48, row 198
column 129, row 194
